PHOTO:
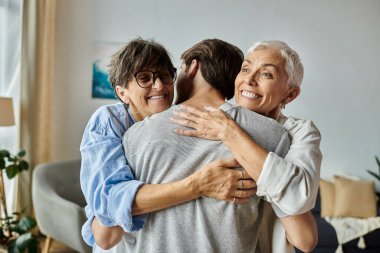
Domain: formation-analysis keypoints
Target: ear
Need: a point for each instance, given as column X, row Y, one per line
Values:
column 293, row 92
column 193, row 68
column 122, row 93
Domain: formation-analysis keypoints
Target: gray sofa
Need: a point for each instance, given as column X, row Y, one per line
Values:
column 58, row 203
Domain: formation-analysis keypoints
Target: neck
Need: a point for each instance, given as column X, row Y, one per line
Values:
column 204, row 94
column 275, row 114
column 135, row 113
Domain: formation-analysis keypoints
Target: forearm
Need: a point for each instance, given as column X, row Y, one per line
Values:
column 154, row 197
column 149, row 198
column 216, row 180
column 301, row 231
column 246, row 151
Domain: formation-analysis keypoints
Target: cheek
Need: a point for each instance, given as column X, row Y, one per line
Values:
column 237, row 85
column 238, row 80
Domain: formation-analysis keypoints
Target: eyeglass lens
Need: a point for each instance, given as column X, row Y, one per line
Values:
column 146, row 78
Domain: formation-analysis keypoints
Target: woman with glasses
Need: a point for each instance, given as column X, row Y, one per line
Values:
column 142, row 76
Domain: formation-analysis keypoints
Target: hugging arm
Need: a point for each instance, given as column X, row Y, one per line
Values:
column 292, row 195
column 106, row 179
column 290, row 184
column 216, row 180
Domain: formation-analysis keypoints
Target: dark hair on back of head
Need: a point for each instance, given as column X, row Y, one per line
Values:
column 220, row 63
column 137, row 55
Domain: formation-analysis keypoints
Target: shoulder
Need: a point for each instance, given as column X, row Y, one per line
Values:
column 244, row 115
column 110, row 111
column 158, row 121
column 156, row 127
column 159, row 117
column 113, row 117
column 300, row 126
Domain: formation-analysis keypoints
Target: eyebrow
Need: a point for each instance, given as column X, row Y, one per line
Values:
column 270, row 65
column 263, row 65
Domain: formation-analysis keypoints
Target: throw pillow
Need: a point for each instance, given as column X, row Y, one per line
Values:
column 326, row 189
column 354, row 198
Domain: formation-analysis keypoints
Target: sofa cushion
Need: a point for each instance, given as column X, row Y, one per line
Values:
column 327, row 192
column 354, row 198
column 327, row 240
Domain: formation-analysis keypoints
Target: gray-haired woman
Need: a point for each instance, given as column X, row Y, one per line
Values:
column 270, row 78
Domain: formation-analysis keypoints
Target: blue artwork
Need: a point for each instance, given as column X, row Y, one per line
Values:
column 101, row 87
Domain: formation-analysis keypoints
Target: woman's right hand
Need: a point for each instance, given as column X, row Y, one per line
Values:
column 221, row 180
column 210, row 124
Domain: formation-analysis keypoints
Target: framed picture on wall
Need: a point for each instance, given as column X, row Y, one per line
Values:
column 102, row 52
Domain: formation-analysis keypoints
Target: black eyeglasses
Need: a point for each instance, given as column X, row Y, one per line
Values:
column 147, row 78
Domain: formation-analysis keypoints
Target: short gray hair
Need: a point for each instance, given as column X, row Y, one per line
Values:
column 293, row 65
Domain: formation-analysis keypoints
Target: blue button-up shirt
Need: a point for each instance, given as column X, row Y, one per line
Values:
column 106, row 179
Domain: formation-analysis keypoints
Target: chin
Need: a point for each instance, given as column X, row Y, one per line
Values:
column 247, row 105
column 161, row 108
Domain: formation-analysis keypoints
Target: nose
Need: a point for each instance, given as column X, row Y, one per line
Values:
column 251, row 79
column 158, row 84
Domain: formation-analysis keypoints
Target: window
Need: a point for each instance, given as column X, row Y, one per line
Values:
column 10, row 60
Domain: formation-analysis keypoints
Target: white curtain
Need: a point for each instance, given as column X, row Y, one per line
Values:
column 10, row 52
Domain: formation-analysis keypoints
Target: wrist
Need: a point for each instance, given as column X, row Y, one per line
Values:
column 229, row 132
column 192, row 185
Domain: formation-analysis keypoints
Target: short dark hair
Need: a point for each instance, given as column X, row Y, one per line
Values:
column 220, row 63
column 135, row 56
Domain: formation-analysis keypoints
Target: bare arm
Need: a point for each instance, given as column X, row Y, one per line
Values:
column 215, row 180
column 301, row 231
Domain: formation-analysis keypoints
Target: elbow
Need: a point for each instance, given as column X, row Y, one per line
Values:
column 305, row 236
column 306, row 243
column 106, row 237
column 307, row 246
column 104, row 245
column 107, row 243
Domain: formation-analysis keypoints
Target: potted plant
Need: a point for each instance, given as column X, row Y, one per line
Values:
column 15, row 229
column 377, row 176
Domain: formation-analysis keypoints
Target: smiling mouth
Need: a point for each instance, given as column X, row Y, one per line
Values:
column 156, row 97
column 250, row 95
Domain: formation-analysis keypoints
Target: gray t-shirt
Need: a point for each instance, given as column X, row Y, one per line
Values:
column 158, row 155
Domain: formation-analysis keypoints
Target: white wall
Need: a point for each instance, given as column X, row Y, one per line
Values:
column 337, row 40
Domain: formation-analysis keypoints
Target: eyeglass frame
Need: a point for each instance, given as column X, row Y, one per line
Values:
column 156, row 75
